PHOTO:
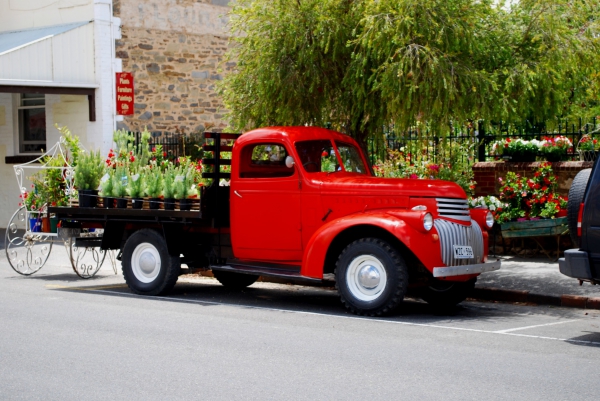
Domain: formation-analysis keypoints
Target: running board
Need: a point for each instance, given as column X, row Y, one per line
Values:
column 285, row 274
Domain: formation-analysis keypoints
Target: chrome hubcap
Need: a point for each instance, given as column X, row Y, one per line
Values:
column 369, row 277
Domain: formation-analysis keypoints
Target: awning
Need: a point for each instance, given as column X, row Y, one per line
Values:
column 52, row 56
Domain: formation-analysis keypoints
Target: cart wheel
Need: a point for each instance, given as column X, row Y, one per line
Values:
column 85, row 261
column 26, row 251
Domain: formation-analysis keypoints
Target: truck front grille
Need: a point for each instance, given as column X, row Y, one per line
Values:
column 451, row 208
column 457, row 234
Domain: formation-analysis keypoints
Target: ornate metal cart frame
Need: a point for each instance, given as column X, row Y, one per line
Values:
column 27, row 248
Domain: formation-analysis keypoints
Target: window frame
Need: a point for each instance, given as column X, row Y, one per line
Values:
column 20, row 141
column 249, row 170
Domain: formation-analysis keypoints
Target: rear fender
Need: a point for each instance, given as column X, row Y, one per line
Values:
column 424, row 244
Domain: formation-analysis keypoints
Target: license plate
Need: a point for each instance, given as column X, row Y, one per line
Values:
column 463, row 252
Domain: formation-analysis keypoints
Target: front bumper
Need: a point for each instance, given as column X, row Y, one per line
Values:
column 465, row 269
column 576, row 264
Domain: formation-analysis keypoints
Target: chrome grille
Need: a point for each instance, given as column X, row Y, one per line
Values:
column 456, row 234
column 451, row 208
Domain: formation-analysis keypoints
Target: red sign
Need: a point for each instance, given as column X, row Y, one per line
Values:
column 124, row 93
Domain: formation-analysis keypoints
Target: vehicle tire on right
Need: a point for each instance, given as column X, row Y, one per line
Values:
column 371, row 277
column 575, row 198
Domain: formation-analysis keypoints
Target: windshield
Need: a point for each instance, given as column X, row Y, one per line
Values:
column 351, row 159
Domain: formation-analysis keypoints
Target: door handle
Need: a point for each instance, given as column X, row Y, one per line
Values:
column 236, row 192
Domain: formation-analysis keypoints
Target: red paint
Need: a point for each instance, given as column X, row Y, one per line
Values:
column 291, row 216
column 124, row 93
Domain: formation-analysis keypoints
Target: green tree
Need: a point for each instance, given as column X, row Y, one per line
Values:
column 364, row 65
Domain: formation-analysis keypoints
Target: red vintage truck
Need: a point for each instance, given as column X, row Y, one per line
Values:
column 304, row 205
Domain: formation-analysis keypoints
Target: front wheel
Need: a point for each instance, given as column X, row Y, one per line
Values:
column 147, row 266
column 447, row 294
column 371, row 277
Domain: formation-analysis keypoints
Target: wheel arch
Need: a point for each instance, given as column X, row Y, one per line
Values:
column 328, row 241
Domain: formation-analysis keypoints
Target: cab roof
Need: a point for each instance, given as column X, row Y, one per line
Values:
column 293, row 134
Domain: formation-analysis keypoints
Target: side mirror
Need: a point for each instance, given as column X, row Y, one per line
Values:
column 289, row 162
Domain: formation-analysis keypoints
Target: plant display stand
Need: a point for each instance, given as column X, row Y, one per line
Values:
column 537, row 228
column 28, row 249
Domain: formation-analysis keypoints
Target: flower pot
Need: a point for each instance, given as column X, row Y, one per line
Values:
column 169, row 203
column 555, row 157
column 108, row 202
column 185, row 204
column 88, row 198
column 137, row 203
column 45, row 224
column 35, row 225
column 154, row 203
column 121, row 203
column 54, row 224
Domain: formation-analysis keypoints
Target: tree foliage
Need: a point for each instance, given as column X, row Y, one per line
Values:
column 363, row 65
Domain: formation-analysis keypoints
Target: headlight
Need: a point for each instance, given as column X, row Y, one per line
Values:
column 427, row 221
column 489, row 219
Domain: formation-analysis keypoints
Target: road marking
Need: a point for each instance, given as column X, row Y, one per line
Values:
column 537, row 325
column 103, row 287
column 367, row 319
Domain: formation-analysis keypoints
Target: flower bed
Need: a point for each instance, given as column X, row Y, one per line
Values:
column 517, row 150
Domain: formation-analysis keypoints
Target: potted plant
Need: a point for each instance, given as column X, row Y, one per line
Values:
column 517, row 149
column 35, row 207
column 168, row 187
column 135, row 189
column 183, row 187
column 120, row 187
column 87, row 178
column 106, row 188
column 153, row 185
column 556, row 149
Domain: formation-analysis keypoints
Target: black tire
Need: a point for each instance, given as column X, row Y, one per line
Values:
column 371, row 255
column 142, row 273
column 235, row 281
column 576, row 193
column 447, row 294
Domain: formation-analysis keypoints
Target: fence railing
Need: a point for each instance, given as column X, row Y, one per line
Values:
column 474, row 142
column 469, row 143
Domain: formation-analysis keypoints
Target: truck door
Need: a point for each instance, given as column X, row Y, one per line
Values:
column 265, row 206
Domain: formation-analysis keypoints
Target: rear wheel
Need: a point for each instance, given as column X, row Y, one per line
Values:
column 235, row 281
column 576, row 193
column 147, row 266
column 447, row 294
column 371, row 277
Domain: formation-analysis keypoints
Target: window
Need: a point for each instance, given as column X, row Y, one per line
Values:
column 32, row 123
column 350, row 156
column 265, row 160
column 317, row 156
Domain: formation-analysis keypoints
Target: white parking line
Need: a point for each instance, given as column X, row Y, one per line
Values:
column 537, row 325
column 367, row 319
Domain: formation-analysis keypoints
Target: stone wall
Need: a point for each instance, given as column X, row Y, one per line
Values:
column 487, row 174
column 175, row 49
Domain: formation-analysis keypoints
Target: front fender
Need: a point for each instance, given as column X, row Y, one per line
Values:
column 402, row 225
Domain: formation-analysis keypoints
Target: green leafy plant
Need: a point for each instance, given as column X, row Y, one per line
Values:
column 183, row 182
column 135, row 184
column 106, row 185
column 153, row 181
column 119, row 182
column 168, row 182
column 88, row 170
column 530, row 197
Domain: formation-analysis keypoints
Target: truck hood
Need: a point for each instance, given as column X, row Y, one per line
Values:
column 360, row 185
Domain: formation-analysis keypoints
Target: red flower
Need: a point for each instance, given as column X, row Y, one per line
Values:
column 132, row 159
column 324, row 154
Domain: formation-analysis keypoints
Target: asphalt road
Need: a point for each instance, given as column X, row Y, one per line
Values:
column 63, row 338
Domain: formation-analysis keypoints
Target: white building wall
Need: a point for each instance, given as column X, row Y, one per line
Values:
column 69, row 110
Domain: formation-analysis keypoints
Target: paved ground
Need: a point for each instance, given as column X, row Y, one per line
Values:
column 67, row 338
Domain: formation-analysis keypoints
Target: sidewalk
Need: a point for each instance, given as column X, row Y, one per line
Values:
column 528, row 280
column 535, row 280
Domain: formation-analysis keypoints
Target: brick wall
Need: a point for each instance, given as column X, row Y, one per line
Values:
column 175, row 49
column 487, row 174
